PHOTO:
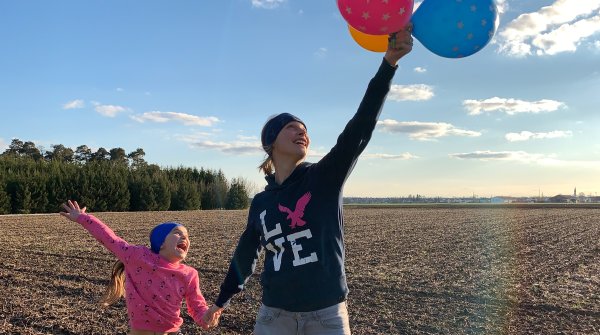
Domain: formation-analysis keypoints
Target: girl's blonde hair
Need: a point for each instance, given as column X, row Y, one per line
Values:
column 116, row 287
column 267, row 166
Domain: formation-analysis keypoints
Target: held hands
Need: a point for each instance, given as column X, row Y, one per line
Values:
column 399, row 44
column 212, row 316
column 72, row 210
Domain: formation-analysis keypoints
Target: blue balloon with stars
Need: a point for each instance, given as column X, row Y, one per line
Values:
column 455, row 28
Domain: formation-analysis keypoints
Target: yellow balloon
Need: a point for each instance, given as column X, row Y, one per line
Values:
column 375, row 43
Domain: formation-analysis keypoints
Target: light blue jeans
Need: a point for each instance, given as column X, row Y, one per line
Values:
column 332, row 320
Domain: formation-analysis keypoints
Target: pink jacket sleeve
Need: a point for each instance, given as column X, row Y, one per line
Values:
column 101, row 232
column 196, row 305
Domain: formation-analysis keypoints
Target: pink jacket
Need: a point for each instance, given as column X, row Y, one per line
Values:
column 154, row 287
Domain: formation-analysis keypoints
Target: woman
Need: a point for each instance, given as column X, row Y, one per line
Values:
column 298, row 219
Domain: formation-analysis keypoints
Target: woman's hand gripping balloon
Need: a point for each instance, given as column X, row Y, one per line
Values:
column 399, row 44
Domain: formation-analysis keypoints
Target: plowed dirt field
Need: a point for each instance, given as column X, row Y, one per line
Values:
column 411, row 270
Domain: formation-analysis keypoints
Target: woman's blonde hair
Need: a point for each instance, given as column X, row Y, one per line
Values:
column 116, row 287
column 267, row 166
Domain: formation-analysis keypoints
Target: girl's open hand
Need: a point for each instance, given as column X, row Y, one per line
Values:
column 72, row 210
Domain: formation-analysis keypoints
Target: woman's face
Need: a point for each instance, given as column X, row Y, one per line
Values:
column 291, row 143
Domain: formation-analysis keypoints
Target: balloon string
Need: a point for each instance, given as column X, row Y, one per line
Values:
column 392, row 41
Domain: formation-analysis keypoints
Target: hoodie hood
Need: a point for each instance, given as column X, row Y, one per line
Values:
column 297, row 174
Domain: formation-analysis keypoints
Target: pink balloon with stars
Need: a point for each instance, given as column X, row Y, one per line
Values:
column 376, row 17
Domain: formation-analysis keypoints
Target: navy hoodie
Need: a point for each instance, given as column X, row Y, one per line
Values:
column 300, row 222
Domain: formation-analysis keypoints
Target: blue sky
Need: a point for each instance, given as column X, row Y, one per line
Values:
column 192, row 83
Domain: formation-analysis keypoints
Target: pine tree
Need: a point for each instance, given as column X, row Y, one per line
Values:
column 237, row 197
column 39, row 194
column 22, row 198
column 4, row 197
column 186, row 197
column 163, row 194
column 83, row 154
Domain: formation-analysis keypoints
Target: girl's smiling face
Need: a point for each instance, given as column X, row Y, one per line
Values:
column 176, row 245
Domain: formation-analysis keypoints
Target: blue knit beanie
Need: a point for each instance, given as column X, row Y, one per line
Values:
column 159, row 233
column 272, row 128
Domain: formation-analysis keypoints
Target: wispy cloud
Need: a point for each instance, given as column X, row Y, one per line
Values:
column 402, row 156
column 527, row 135
column 415, row 92
column 321, row 53
column 511, row 106
column 560, row 27
column 487, row 155
column 192, row 138
column 502, row 6
column 235, row 147
column 419, row 69
column 185, row 119
column 525, row 157
column 74, row 104
column 423, row 131
column 244, row 145
column 267, row 4
column 316, row 153
column 109, row 110
column 3, row 145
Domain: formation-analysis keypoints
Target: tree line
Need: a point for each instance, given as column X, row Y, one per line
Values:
column 34, row 180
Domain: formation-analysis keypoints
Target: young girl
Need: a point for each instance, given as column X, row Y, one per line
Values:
column 298, row 219
column 155, row 280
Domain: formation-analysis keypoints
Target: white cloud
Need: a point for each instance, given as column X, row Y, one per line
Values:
column 3, row 145
column 316, row 153
column 524, row 157
column 566, row 37
column 527, row 135
column 410, row 92
column 192, row 138
column 404, row 156
column 109, row 110
column 511, row 106
column 268, row 4
column 247, row 138
column 560, row 27
column 487, row 155
column 502, row 6
column 423, row 131
column 236, row 147
column 186, row 119
column 74, row 104
column 419, row 69
column 321, row 52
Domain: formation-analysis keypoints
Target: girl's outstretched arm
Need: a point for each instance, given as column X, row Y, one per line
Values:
column 99, row 230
